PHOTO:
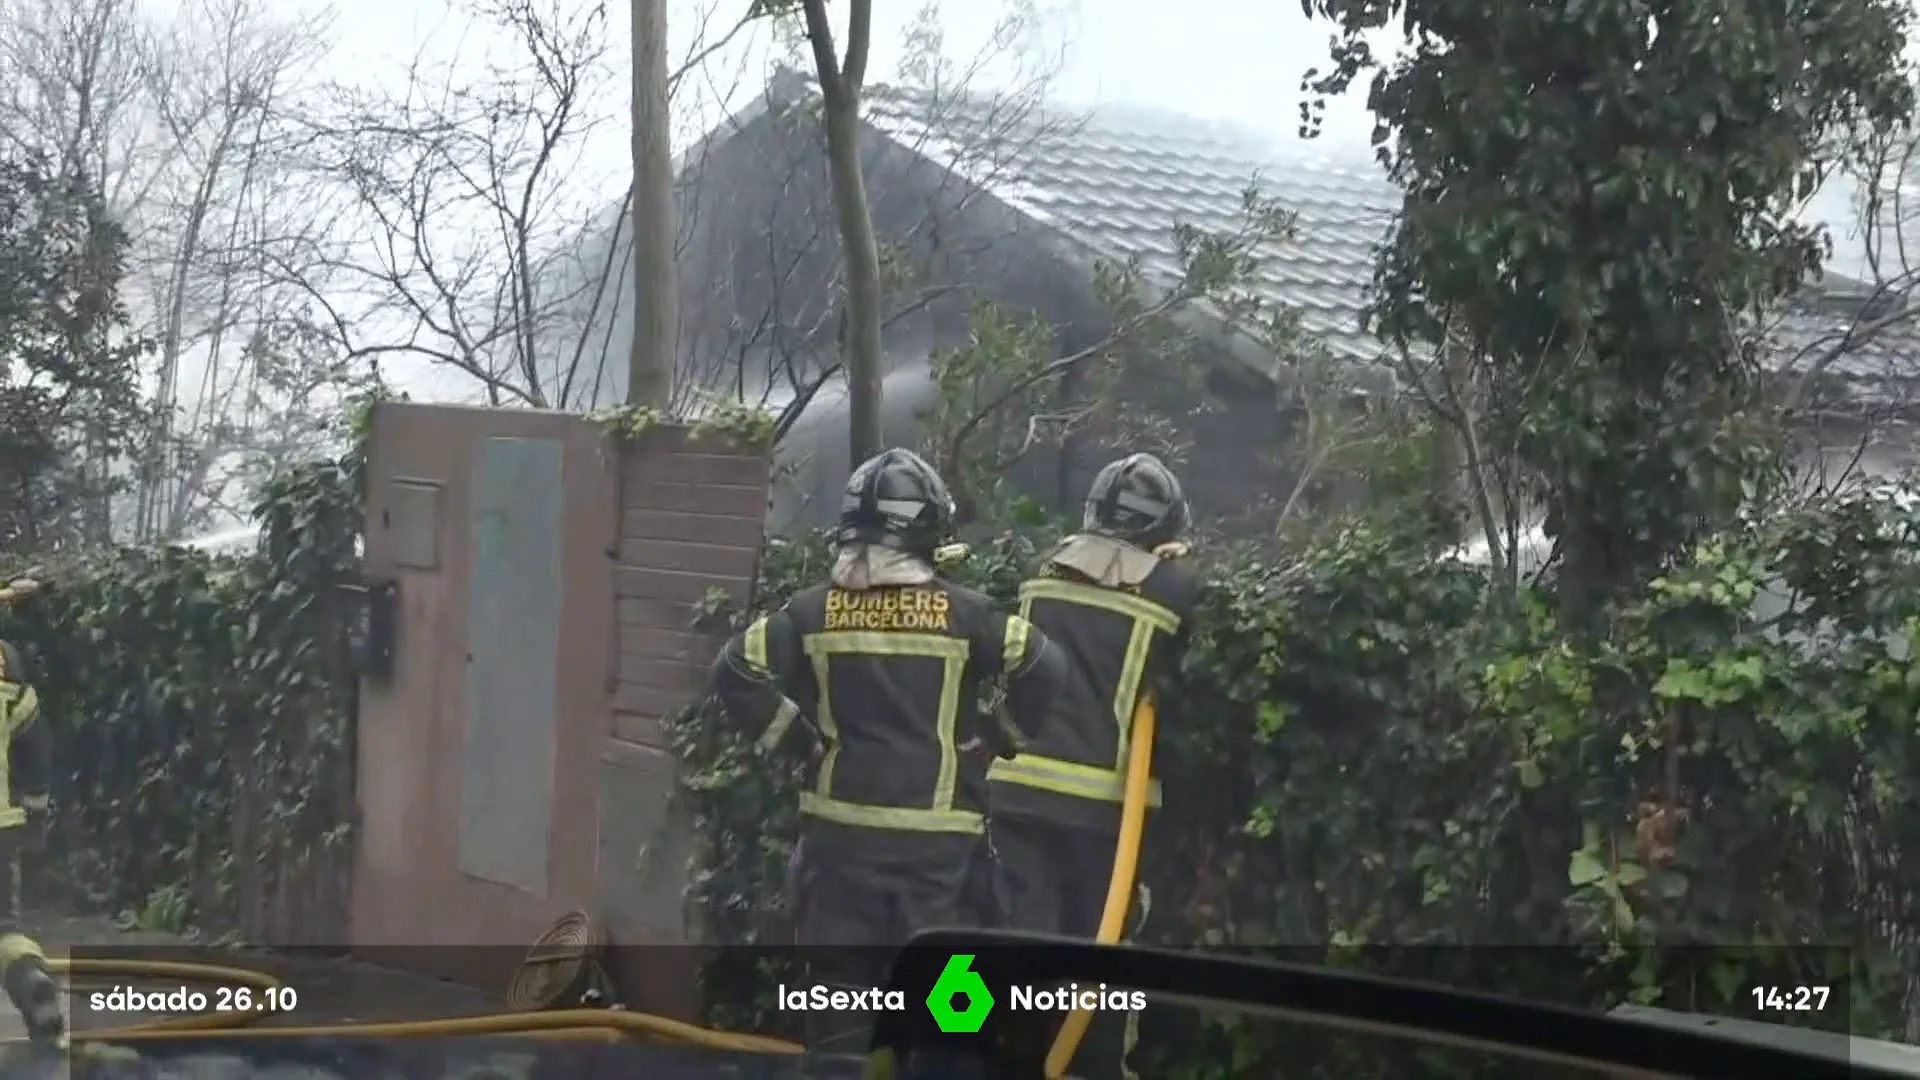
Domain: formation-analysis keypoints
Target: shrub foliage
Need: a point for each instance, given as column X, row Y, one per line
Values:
column 1375, row 750
column 202, row 711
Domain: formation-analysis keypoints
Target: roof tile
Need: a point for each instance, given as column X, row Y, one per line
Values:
column 1115, row 180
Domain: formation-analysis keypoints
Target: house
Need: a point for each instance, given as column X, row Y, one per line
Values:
column 1009, row 202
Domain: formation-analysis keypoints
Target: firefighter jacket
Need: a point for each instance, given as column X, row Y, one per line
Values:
column 26, row 751
column 889, row 678
column 1120, row 614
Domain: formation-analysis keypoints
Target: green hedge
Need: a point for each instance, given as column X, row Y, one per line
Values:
column 1377, row 748
column 1373, row 746
column 202, row 711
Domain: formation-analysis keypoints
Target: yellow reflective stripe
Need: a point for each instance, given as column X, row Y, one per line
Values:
column 887, row 643
column 1013, row 646
column 1147, row 617
column 946, row 783
column 753, row 652
column 26, row 708
column 1066, row 778
column 753, row 646
column 1127, row 692
column 1077, row 592
column 1026, row 634
column 953, row 653
column 823, row 719
column 783, row 718
column 862, row 815
column 20, row 701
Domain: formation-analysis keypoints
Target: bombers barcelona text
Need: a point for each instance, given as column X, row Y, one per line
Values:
column 888, row 609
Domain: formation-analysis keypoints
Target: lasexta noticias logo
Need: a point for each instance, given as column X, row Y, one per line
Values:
column 960, row 1000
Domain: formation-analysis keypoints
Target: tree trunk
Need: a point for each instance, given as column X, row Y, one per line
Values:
column 656, row 306
column 840, row 86
column 862, row 260
column 1451, row 476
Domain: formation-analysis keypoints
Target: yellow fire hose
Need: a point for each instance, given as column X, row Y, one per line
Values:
column 1126, row 866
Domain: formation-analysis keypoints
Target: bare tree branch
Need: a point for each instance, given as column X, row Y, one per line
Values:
column 459, row 198
column 177, row 117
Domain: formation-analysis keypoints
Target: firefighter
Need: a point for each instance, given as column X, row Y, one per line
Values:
column 1117, row 600
column 882, row 665
column 25, row 770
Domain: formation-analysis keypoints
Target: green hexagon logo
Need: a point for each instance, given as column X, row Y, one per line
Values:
column 959, row 980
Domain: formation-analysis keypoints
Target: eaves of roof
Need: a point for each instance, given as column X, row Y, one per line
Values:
column 1111, row 183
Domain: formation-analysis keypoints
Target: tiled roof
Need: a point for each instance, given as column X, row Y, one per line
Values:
column 1877, row 364
column 1115, row 180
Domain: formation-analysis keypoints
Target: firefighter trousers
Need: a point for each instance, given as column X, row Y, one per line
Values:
column 857, row 898
column 1053, row 880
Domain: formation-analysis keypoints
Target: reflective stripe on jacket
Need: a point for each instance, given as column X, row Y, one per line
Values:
column 1119, row 643
column 888, row 680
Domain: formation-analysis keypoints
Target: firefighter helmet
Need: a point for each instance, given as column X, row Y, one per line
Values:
column 895, row 498
column 1137, row 499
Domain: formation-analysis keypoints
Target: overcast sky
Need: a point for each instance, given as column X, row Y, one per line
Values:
column 1233, row 60
column 1223, row 59
column 1238, row 61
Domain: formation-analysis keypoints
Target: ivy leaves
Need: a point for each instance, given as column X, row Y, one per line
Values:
column 200, row 706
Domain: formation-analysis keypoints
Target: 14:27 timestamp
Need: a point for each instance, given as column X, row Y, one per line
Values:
column 1769, row 999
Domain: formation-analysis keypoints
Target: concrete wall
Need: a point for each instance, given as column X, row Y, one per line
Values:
column 505, row 698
